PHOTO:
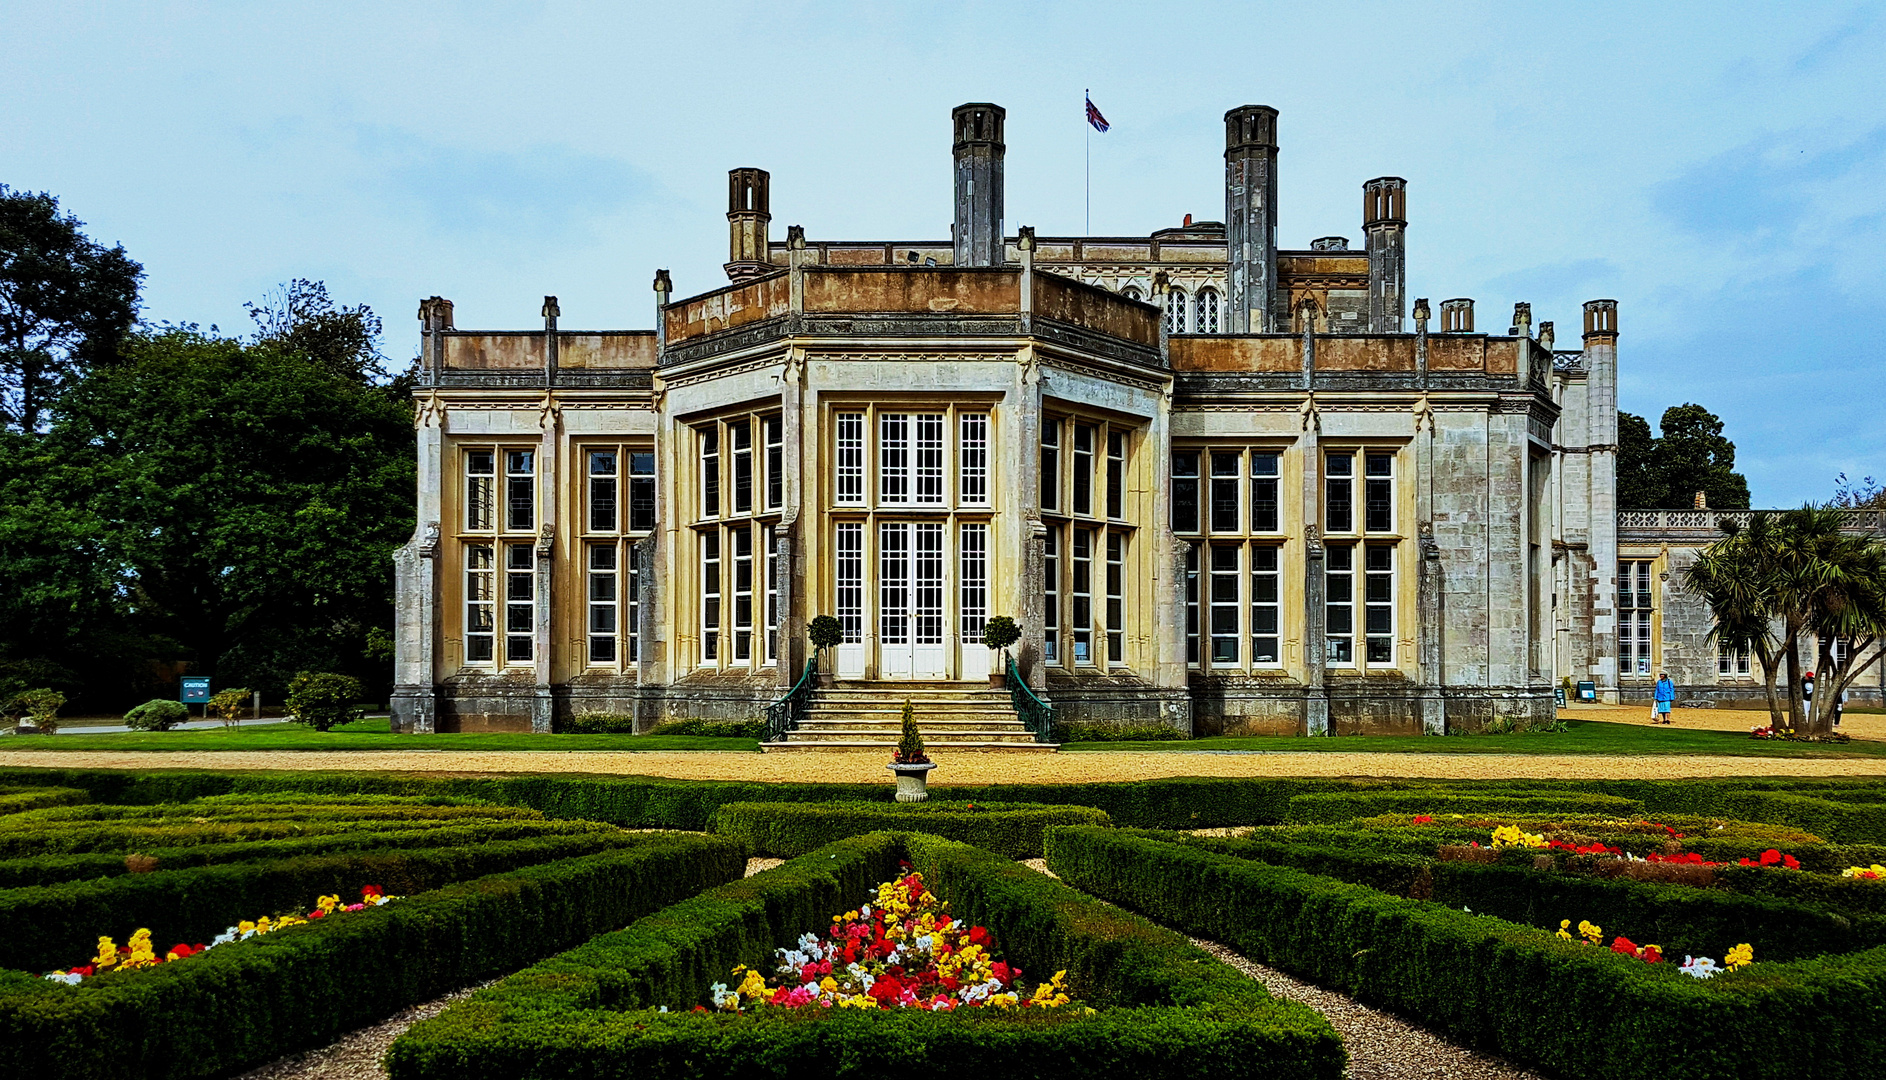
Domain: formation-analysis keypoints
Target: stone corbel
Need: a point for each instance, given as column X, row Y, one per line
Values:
column 429, row 541
column 1313, row 541
column 1423, row 414
column 546, row 540
column 549, row 414
column 1424, row 536
column 1312, row 417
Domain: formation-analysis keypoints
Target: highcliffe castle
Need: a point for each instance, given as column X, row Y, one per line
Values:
column 1222, row 485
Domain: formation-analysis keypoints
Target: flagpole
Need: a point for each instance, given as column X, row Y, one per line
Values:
column 1086, row 96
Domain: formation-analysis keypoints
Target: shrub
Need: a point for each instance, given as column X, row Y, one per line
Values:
column 1012, row 830
column 716, row 729
column 157, row 714
column 14, row 800
column 239, row 1005
column 39, row 707
column 1167, row 1010
column 1348, row 806
column 598, row 723
column 1067, row 733
column 1513, row 990
column 322, row 699
column 910, row 741
column 228, row 704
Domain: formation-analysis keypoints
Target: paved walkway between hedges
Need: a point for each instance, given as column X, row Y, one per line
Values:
column 968, row 768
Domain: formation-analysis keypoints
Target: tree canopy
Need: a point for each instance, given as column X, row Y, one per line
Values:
column 1690, row 456
column 65, row 302
column 201, row 498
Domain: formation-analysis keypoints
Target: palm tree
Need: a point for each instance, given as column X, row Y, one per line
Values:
column 1773, row 582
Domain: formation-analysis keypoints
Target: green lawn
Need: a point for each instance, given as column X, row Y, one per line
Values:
column 1580, row 737
column 372, row 734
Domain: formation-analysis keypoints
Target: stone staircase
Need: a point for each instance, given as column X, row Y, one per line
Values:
column 951, row 716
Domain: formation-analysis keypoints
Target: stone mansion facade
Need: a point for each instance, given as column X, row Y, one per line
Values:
column 1222, row 485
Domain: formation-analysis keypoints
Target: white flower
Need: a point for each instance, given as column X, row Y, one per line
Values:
column 1702, row 967
column 70, row 978
column 226, row 936
column 664, row 1008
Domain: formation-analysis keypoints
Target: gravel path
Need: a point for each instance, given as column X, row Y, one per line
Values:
column 1382, row 1046
column 355, row 1055
column 968, row 768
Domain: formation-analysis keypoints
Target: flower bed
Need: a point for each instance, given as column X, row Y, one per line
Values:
column 1157, row 1006
column 140, row 953
column 241, row 1004
column 788, row 830
column 902, row 950
column 1511, row 989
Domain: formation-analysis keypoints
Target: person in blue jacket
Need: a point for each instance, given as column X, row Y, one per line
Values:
column 1666, row 695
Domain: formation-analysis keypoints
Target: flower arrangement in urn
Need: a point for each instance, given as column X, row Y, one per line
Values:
column 910, row 764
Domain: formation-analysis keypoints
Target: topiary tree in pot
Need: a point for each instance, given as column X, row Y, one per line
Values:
column 909, row 763
column 824, row 632
column 998, row 634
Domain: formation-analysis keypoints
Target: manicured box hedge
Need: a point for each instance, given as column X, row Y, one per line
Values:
column 1166, row 1008
column 13, row 800
column 1172, row 803
column 790, row 829
column 1326, row 808
column 53, row 926
column 1512, row 990
column 51, row 869
column 239, row 1005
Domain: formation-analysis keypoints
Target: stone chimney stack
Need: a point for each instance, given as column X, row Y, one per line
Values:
column 978, row 149
column 1250, row 218
column 1457, row 316
column 1385, row 231
column 749, row 212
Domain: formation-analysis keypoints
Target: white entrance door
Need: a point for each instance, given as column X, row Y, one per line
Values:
column 911, row 642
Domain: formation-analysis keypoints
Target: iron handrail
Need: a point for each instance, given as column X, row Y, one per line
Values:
column 783, row 715
column 1034, row 712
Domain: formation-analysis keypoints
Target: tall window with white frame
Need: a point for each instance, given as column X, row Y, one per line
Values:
column 1636, row 617
column 1732, row 663
column 910, row 494
column 742, row 488
column 1362, row 575
column 1090, row 514
column 1225, row 501
column 619, row 489
column 496, row 532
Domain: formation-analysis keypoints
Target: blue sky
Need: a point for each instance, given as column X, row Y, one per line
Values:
column 1718, row 169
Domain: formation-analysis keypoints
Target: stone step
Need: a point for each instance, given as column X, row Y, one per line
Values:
column 890, row 738
column 876, row 747
column 863, row 723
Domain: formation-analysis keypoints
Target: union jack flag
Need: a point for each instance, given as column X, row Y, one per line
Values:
column 1094, row 117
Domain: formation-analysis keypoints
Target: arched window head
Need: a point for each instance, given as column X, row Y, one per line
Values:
column 1175, row 311
column 1205, row 320
column 1131, row 292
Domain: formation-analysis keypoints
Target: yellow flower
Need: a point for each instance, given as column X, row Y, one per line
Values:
column 1591, row 931
column 1741, row 954
column 107, row 953
column 1565, row 933
column 828, row 984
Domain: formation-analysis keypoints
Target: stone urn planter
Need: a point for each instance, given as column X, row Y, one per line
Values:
column 824, row 633
column 912, row 781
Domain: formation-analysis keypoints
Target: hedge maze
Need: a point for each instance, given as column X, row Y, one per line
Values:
column 1490, row 912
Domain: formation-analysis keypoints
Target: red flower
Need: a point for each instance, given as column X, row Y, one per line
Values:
column 317, row 913
column 83, row 972
column 1650, row 954
column 1000, row 970
column 979, row 936
column 1623, row 945
column 371, row 890
column 1424, row 819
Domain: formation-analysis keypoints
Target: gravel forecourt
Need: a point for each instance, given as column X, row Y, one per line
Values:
column 966, row 768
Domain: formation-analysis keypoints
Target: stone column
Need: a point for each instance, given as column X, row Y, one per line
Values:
column 1429, row 586
column 647, row 626
column 1021, row 458
column 1315, row 626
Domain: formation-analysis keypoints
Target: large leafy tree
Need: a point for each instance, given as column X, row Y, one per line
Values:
column 299, row 317
column 1691, row 456
column 250, row 495
column 65, row 302
column 1781, row 579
